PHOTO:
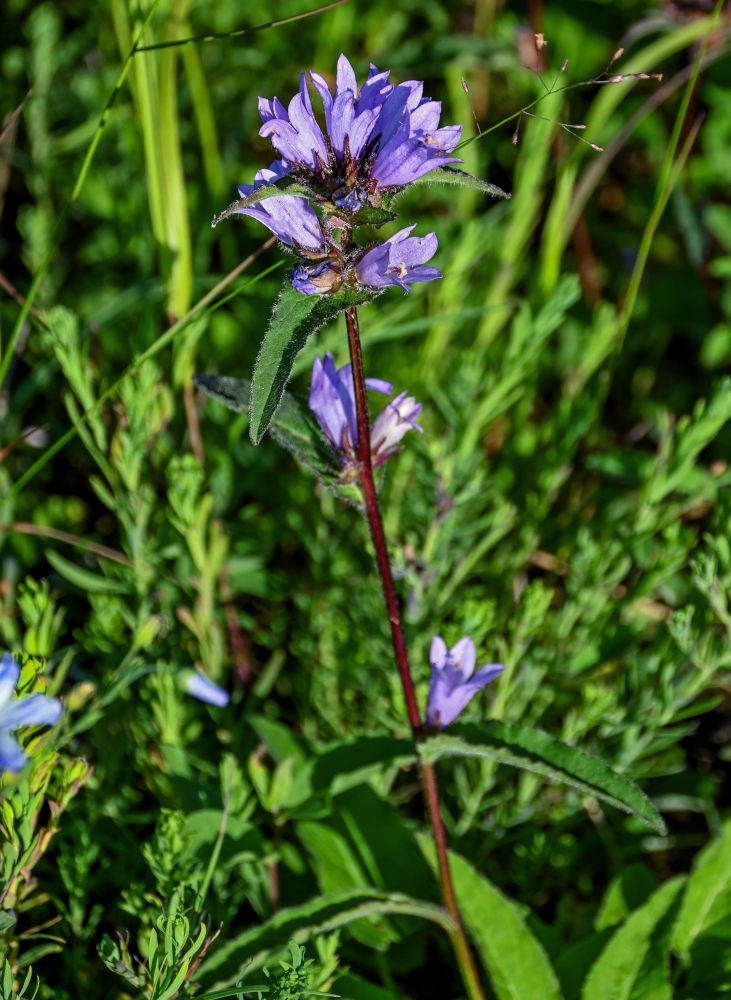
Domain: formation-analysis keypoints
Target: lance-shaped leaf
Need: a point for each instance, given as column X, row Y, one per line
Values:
column 294, row 425
column 253, row 947
column 536, row 751
column 294, row 318
column 289, row 184
column 516, row 962
column 460, row 178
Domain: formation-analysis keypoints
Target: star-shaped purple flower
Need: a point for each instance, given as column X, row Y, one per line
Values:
column 30, row 710
column 398, row 261
column 453, row 679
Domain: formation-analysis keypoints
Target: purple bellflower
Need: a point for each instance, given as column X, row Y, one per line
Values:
column 398, row 261
column 454, row 680
column 332, row 400
column 377, row 138
column 30, row 710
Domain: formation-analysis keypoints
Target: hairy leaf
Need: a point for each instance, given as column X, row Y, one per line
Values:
column 294, row 425
column 294, row 318
column 451, row 175
column 537, row 751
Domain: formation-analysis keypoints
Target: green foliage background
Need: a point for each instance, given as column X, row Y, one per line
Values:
column 567, row 505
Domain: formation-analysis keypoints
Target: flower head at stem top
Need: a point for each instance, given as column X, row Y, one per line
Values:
column 332, row 400
column 454, row 680
column 378, row 137
column 29, row 710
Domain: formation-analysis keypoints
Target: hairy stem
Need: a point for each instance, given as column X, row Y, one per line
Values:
column 428, row 777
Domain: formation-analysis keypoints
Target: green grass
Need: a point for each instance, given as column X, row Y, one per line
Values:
column 567, row 505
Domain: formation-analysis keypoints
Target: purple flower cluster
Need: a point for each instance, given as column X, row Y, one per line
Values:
column 332, row 400
column 377, row 140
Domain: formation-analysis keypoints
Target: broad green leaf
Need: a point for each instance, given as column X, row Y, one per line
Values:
column 338, row 867
column 293, row 319
column 635, row 963
column 707, row 898
column 253, row 947
column 514, row 959
column 288, row 184
column 364, row 841
column 452, row 175
column 232, row 392
column 627, row 892
column 348, row 763
column 294, row 425
column 537, row 751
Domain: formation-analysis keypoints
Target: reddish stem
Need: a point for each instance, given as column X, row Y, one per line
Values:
column 428, row 777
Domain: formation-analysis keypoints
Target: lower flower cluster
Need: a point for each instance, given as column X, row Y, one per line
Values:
column 326, row 266
column 332, row 400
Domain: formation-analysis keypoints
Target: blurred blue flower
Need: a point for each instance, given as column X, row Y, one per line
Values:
column 377, row 138
column 453, row 680
column 398, row 261
column 30, row 710
column 204, row 689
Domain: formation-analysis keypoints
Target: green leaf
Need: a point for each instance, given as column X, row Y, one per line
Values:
column 285, row 185
column 294, row 318
column 345, row 764
column 83, row 578
column 254, row 946
column 369, row 215
column 232, row 392
column 460, row 178
column 516, row 962
column 294, row 425
column 707, row 898
column 537, row 751
column 635, row 963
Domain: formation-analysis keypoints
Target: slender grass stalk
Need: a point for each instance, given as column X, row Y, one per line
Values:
column 458, row 936
column 73, row 198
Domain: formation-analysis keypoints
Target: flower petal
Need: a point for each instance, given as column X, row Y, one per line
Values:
column 33, row 710
column 9, row 674
column 202, row 688
column 463, row 656
column 291, row 218
column 12, row 757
